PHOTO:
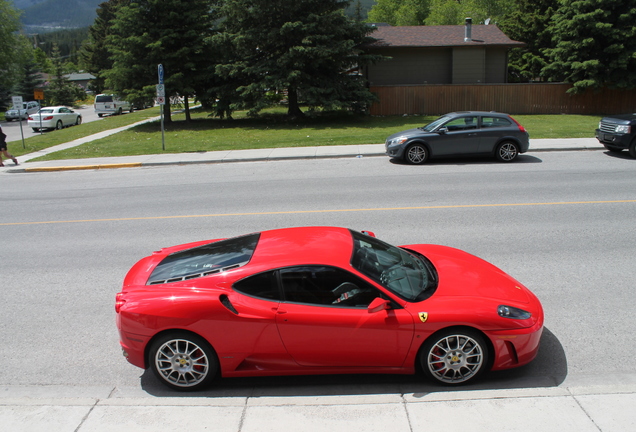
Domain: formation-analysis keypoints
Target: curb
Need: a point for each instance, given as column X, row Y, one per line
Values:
column 248, row 159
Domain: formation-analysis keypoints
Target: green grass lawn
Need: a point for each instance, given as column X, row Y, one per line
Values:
column 270, row 130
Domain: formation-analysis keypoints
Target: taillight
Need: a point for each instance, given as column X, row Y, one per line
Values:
column 30, row 118
column 521, row 128
column 119, row 301
column 48, row 118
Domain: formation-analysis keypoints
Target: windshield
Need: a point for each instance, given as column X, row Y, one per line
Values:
column 435, row 124
column 409, row 276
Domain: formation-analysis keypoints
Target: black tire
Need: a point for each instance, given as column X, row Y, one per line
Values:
column 507, row 151
column 36, row 129
column 78, row 121
column 613, row 149
column 100, row 115
column 454, row 356
column 183, row 361
column 59, row 125
column 119, row 111
column 416, row 154
column 632, row 148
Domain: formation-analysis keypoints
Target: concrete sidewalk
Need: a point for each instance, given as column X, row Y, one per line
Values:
column 361, row 150
column 587, row 404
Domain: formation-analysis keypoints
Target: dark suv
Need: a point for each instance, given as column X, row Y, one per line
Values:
column 461, row 134
column 618, row 133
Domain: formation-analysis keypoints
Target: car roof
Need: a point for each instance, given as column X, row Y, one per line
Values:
column 480, row 113
column 303, row 245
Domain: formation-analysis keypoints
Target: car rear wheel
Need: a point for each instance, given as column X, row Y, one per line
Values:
column 416, row 154
column 183, row 361
column 454, row 356
column 507, row 151
column 119, row 111
column 59, row 125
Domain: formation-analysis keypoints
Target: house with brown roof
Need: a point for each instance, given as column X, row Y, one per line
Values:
column 448, row 54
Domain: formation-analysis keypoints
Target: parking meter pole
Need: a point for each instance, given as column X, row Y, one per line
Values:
column 163, row 140
column 22, row 133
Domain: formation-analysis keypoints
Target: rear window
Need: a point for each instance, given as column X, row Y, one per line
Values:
column 103, row 98
column 495, row 122
column 47, row 110
column 205, row 260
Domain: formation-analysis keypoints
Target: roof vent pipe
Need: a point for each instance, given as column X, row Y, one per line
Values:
column 468, row 35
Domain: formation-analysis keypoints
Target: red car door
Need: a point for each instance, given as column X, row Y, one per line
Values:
column 323, row 324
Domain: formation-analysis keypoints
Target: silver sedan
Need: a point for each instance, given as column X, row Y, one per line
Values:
column 56, row 117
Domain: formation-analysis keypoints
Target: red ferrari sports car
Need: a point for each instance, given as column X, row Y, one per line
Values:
column 322, row 300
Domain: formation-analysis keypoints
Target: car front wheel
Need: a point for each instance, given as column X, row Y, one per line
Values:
column 632, row 148
column 507, row 151
column 416, row 154
column 454, row 356
column 183, row 361
column 78, row 121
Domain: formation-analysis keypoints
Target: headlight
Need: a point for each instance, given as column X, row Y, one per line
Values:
column 622, row 129
column 512, row 312
column 398, row 140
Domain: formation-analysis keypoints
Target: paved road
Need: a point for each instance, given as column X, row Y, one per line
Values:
column 556, row 221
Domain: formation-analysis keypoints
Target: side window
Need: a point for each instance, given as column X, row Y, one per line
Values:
column 326, row 286
column 263, row 285
column 490, row 122
column 462, row 123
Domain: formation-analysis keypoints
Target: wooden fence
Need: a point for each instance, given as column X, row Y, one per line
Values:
column 537, row 98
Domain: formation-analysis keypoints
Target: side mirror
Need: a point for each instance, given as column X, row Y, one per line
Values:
column 442, row 131
column 378, row 305
column 369, row 233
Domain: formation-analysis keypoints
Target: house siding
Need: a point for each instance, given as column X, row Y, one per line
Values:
column 496, row 65
column 469, row 65
column 412, row 66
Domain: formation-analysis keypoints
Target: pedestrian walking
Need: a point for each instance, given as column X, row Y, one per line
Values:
column 3, row 149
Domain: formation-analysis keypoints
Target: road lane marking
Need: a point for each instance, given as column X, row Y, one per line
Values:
column 459, row 206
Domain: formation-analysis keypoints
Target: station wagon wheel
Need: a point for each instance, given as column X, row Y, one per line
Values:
column 59, row 125
column 454, row 357
column 507, row 151
column 183, row 361
column 416, row 154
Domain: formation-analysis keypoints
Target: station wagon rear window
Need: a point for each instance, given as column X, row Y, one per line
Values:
column 205, row 260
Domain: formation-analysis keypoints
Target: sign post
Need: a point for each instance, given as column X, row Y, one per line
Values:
column 161, row 99
column 17, row 105
column 38, row 95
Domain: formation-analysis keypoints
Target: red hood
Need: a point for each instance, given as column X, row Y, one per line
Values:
column 463, row 274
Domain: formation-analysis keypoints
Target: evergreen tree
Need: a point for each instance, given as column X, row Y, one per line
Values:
column 61, row 91
column 308, row 49
column 594, row 44
column 94, row 54
column 529, row 24
column 147, row 33
column 30, row 80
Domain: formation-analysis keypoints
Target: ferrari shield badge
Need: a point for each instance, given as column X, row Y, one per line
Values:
column 423, row 316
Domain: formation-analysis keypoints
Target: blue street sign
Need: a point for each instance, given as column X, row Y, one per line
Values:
column 160, row 72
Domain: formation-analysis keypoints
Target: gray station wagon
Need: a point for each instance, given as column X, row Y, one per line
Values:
column 461, row 134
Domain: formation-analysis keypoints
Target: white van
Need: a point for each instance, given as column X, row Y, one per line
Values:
column 111, row 104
